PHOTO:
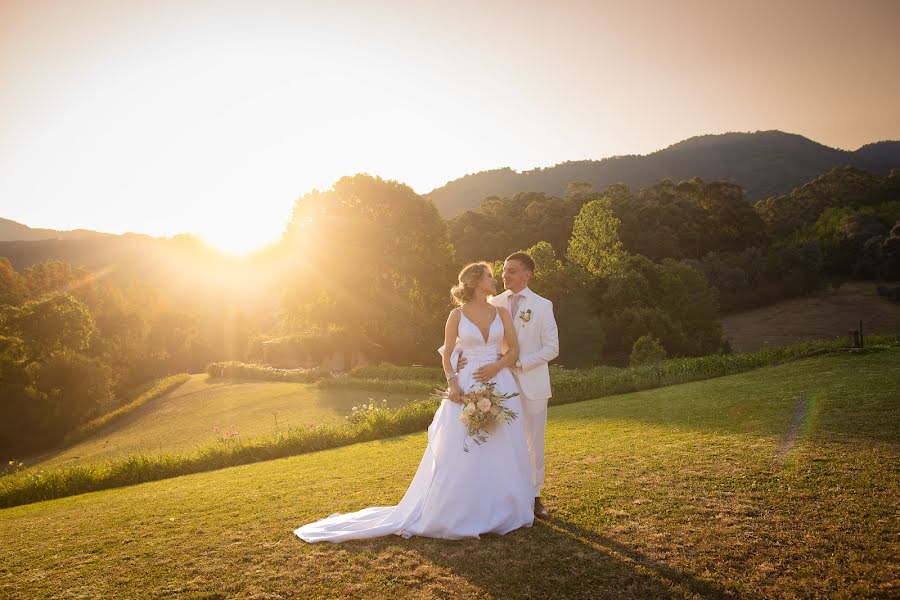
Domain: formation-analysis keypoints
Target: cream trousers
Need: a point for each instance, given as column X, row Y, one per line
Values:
column 535, row 417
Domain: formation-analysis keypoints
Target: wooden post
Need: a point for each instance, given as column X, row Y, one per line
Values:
column 861, row 342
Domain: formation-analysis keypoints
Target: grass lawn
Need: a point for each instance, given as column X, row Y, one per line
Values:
column 780, row 482
column 820, row 316
column 185, row 418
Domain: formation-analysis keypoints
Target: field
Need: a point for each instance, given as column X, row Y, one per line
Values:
column 824, row 315
column 778, row 482
column 185, row 418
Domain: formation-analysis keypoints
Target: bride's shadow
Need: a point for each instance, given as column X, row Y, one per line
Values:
column 551, row 560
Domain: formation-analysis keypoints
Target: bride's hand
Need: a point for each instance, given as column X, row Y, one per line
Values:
column 453, row 392
column 487, row 372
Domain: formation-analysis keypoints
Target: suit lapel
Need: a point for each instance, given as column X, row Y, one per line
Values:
column 521, row 325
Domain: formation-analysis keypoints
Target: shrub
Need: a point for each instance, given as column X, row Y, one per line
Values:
column 238, row 370
column 646, row 351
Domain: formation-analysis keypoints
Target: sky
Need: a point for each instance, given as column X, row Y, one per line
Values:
column 166, row 117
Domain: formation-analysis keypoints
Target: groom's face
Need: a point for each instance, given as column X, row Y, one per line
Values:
column 515, row 276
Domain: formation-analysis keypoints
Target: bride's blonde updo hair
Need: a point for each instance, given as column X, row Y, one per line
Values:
column 468, row 281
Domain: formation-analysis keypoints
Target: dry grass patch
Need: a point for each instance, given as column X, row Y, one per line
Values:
column 820, row 316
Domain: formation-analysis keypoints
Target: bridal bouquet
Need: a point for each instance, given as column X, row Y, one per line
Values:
column 483, row 411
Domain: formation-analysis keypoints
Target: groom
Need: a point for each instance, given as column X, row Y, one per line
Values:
column 538, row 345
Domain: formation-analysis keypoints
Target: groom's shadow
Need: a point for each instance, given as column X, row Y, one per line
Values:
column 552, row 560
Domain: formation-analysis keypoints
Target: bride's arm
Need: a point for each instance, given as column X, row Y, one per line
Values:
column 488, row 372
column 451, row 332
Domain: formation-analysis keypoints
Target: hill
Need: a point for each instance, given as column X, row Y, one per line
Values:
column 777, row 482
column 764, row 163
column 819, row 316
column 14, row 231
column 185, row 418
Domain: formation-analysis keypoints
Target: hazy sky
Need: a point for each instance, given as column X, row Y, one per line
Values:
column 164, row 116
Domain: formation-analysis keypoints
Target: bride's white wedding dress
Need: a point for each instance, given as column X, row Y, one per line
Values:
column 454, row 494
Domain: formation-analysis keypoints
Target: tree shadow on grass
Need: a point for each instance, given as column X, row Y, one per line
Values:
column 555, row 560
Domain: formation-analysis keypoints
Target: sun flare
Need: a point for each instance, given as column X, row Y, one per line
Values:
column 239, row 242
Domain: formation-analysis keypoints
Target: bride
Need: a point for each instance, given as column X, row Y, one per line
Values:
column 455, row 493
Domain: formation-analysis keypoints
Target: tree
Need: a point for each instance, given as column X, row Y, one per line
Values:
column 74, row 388
column 501, row 226
column 376, row 260
column 570, row 289
column 54, row 322
column 891, row 253
column 47, row 386
column 12, row 288
column 19, row 408
column 839, row 187
column 595, row 245
column 671, row 301
column 694, row 305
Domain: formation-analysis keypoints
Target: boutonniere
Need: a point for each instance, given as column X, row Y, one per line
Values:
column 525, row 315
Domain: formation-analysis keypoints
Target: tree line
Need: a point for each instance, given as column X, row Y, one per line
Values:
column 72, row 346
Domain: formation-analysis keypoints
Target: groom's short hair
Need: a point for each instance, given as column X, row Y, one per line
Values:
column 523, row 258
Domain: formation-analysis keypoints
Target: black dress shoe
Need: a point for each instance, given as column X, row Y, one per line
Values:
column 539, row 511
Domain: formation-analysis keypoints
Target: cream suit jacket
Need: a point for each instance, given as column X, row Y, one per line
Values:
column 538, row 341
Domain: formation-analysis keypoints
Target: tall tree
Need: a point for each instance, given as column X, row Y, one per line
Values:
column 595, row 245
column 55, row 322
column 12, row 288
column 376, row 261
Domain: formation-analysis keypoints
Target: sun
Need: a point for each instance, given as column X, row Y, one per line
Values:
column 239, row 241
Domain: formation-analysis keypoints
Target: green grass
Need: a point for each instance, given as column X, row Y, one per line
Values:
column 184, row 419
column 574, row 385
column 38, row 484
column 392, row 372
column 406, row 386
column 124, row 465
column 147, row 393
column 779, row 482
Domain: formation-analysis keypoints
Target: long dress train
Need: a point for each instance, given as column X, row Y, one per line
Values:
column 454, row 494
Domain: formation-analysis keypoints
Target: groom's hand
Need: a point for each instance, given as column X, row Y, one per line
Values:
column 486, row 373
column 461, row 362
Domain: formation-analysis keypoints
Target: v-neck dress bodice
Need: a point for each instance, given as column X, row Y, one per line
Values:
column 472, row 342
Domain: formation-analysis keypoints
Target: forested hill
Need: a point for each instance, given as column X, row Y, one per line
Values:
column 11, row 230
column 764, row 163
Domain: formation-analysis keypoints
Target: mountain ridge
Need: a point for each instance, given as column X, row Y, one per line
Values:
column 765, row 163
column 13, row 231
